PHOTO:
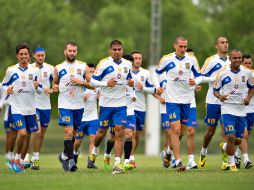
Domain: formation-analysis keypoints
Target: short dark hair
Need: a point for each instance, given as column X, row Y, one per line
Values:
column 138, row 52
column 115, row 42
column 91, row 65
column 246, row 56
column 180, row 38
column 128, row 57
column 217, row 39
column 22, row 46
column 189, row 50
column 70, row 43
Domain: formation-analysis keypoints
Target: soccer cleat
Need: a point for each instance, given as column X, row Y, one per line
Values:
column 224, row 154
column 191, row 166
column 237, row 162
column 180, row 167
column 248, row 164
column 133, row 163
column 10, row 164
column 72, row 166
column 127, row 166
column 233, row 168
column 225, row 166
column 18, row 167
column 75, row 157
column 27, row 165
column 118, row 169
column 202, row 161
column 165, row 158
column 91, row 164
column 64, row 163
column 107, row 163
column 173, row 163
column 35, row 165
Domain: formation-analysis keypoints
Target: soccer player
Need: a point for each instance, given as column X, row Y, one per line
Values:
column 21, row 82
column 211, row 68
column 90, row 122
column 143, row 85
column 112, row 74
column 69, row 80
column 243, row 148
column 178, row 66
column 230, row 88
column 42, row 100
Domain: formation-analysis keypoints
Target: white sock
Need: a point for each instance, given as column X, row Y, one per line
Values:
column 27, row 157
column 132, row 158
column 191, row 158
column 224, row 146
column 22, row 161
column 231, row 160
column 17, row 156
column 36, row 156
column 95, row 151
column 168, row 150
column 107, row 155
column 126, row 161
column 238, row 153
column 11, row 156
column 76, row 152
column 177, row 161
column 117, row 160
column 204, row 151
column 64, row 157
column 172, row 155
column 245, row 157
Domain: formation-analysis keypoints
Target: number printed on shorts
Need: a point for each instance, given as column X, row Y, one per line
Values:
column 172, row 115
column 66, row 119
column 230, row 128
column 211, row 121
column 19, row 123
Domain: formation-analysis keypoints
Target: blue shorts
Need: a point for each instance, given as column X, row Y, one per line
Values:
column 250, row 121
column 140, row 119
column 165, row 121
column 28, row 122
column 43, row 117
column 88, row 128
column 178, row 112
column 213, row 114
column 111, row 116
column 234, row 125
column 131, row 122
column 71, row 118
column 192, row 121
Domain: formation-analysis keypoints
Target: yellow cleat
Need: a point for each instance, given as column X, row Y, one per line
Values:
column 225, row 166
column 118, row 169
column 107, row 163
column 224, row 154
column 233, row 168
column 92, row 157
column 202, row 161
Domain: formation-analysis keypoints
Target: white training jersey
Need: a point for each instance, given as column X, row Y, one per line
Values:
column 130, row 94
column 121, row 72
column 42, row 99
column 179, row 72
column 143, row 76
column 22, row 101
column 234, row 85
column 90, row 105
column 163, row 82
column 250, row 107
column 211, row 68
column 70, row 96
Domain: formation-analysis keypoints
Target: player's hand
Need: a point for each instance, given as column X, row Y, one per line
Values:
column 55, row 88
column 246, row 101
column 159, row 91
column 36, row 84
column 111, row 82
column 10, row 90
column 223, row 98
column 162, row 100
column 134, row 99
column 86, row 96
column 192, row 82
column 139, row 85
column 131, row 82
column 48, row 90
column 76, row 81
column 197, row 88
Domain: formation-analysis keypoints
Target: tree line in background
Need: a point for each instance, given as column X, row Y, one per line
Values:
column 93, row 24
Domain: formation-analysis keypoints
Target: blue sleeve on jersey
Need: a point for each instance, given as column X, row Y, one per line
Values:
column 168, row 67
column 129, row 76
column 195, row 72
column 148, row 84
column 14, row 77
column 216, row 67
column 35, row 78
column 216, row 89
column 226, row 81
column 249, row 86
column 162, row 83
column 106, row 71
column 50, row 78
column 62, row 73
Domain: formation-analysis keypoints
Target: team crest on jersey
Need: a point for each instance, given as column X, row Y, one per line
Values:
column 30, row 76
column 79, row 71
column 45, row 74
column 243, row 78
column 142, row 78
column 187, row 65
column 125, row 70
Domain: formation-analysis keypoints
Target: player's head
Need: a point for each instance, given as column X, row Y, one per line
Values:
column 190, row 51
column 91, row 67
column 128, row 57
column 71, row 51
column 39, row 54
column 23, row 53
column 180, row 46
column 116, row 50
column 236, row 58
column 221, row 44
column 247, row 61
column 137, row 58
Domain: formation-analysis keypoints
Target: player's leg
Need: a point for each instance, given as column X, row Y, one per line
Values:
column 109, row 146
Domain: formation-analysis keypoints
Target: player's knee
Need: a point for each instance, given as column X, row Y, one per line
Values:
column 211, row 131
column 238, row 141
column 191, row 131
column 128, row 134
column 231, row 139
column 22, row 134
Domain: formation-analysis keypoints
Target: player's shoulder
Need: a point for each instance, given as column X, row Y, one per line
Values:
column 48, row 65
column 127, row 62
column 167, row 56
column 12, row 67
column 60, row 64
column 211, row 58
column 80, row 62
column 144, row 71
column 103, row 62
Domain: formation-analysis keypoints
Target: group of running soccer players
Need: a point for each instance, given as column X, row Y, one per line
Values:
column 119, row 85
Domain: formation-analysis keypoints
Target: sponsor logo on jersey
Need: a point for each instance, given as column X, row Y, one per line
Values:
column 236, row 86
column 23, row 84
column 180, row 72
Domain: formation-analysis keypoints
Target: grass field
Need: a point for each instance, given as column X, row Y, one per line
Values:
column 148, row 175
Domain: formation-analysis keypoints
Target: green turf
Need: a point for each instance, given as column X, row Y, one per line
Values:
column 147, row 175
